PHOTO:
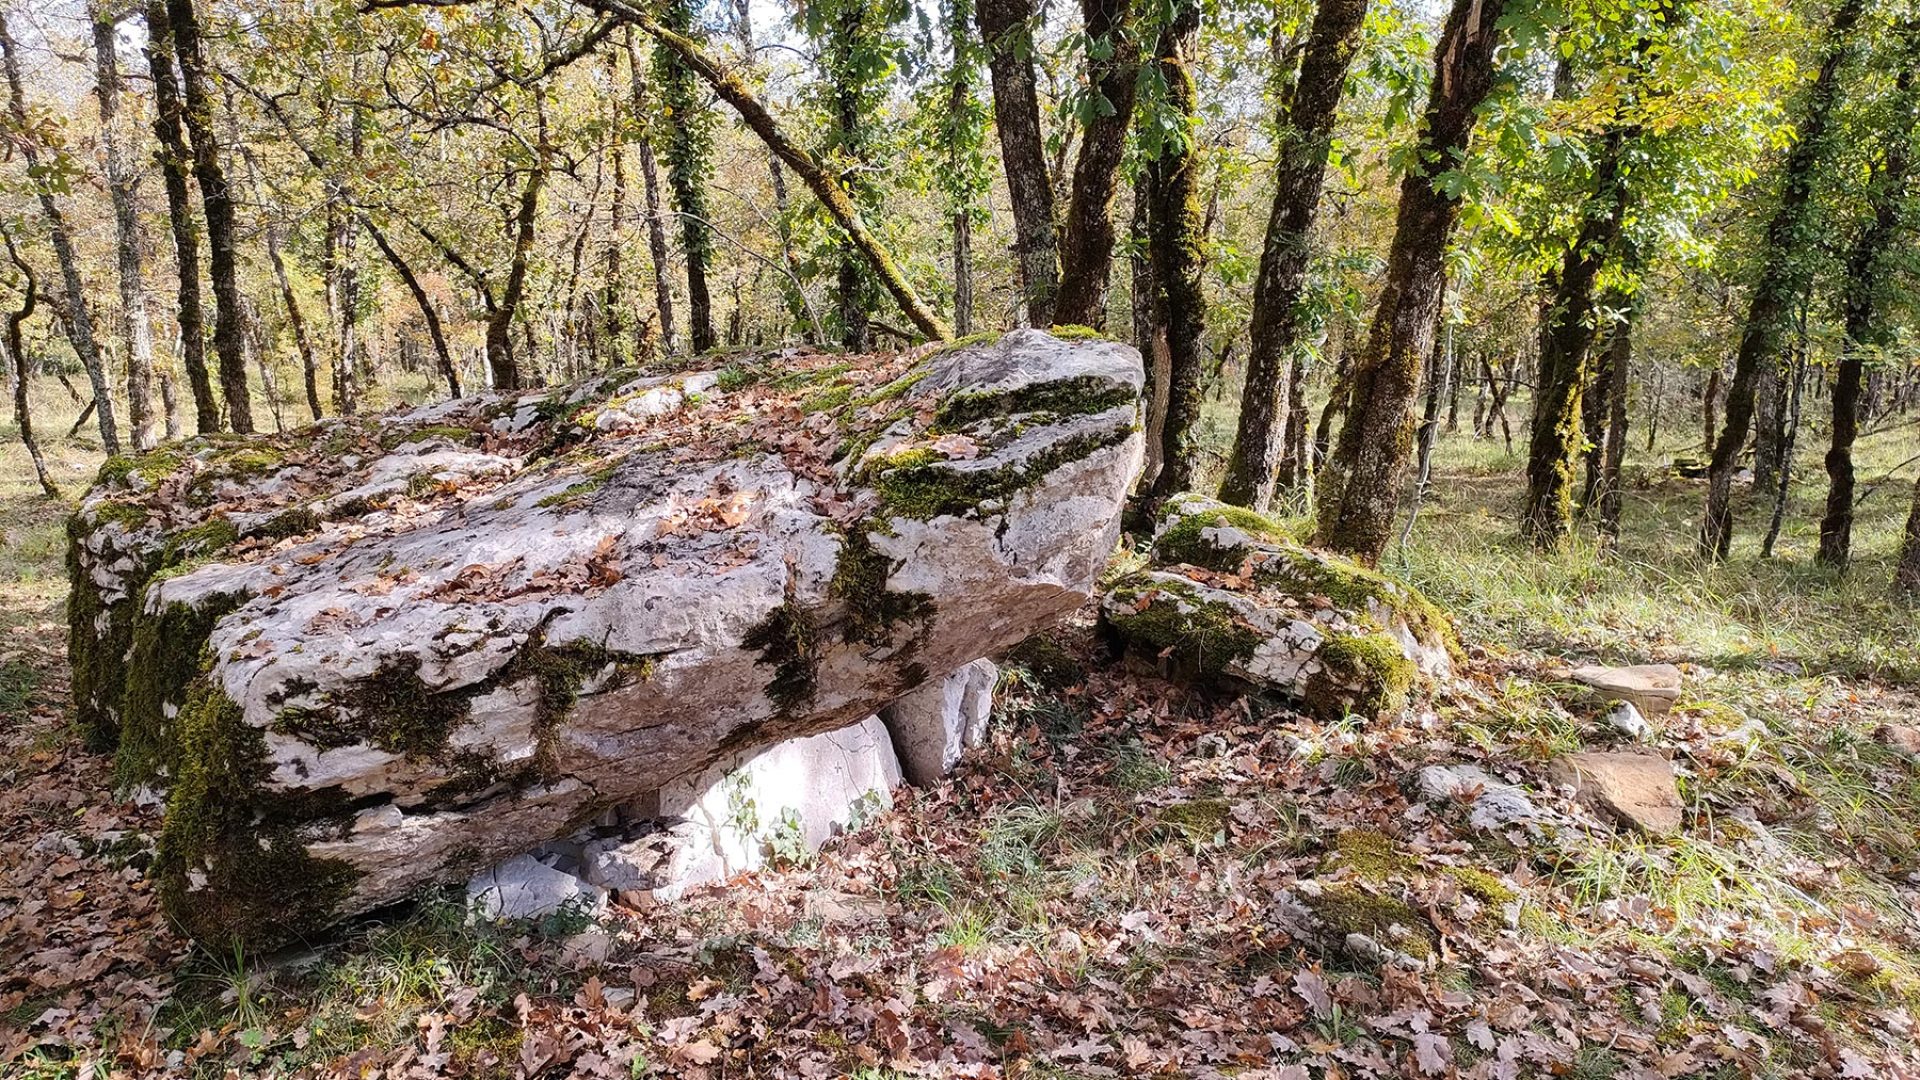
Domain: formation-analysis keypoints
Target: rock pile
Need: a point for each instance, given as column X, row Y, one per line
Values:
column 380, row 653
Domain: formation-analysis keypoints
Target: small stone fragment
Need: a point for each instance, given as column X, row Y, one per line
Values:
column 1496, row 803
column 1901, row 739
column 523, row 887
column 1651, row 688
column 1637, row 789
column 1626, row 720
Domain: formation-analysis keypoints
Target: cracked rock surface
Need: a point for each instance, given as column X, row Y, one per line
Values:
column 385, row 652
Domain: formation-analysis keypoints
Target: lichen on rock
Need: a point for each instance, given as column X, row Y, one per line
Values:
column 382, row 652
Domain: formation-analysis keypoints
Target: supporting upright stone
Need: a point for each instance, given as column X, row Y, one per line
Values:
column 938, row 721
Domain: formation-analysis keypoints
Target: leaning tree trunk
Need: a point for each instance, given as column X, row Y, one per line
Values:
column 216, row 199
column 501, row 363
column 1885, row 189
column 1566, row 338
column 309, row 370
column 79, row 315
column 17, row 371
column 1305, row 135
column 136, row 329
column 1175, row 232
column 173, row 156
column 1006, row 30
column 834, row 198
column 1086, row 245
column 1357, row 489
column 1782, row 280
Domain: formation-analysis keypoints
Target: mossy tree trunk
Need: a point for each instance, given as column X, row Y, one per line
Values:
column 689, row 153
column 79, row 313
column 1860, row 293
column 216, row 200
column 1358, row 488
column 136, row 330
column 1305, row 136
column 1176, row 234
column 1568, row 328
column 650, row 186
column 173, row 156
column 1006, row 28
column 824, row 186
column 1086, row 244
column 1790, row 236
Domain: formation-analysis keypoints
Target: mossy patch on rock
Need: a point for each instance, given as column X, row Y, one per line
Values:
column 920, row 483
column 788, row 642
column 1367, row 673
column 232, row 865
column 1198, row 532
column 873, row 612
column 1371, row 854
column 1171, row 621
column 166, row 655
column 1049, row 664
column 1385, row 920
column 1078, row 396
column 1196, row 820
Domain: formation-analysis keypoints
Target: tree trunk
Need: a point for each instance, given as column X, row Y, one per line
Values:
column 1006, row 28
column 1782, row 280
column 1608, row 495
column 435, row 332
column 1149, row 333
column 217, row 202
column 501, row 364
column 613, row 286
column 1566, row 338
column 1769, row 422
column 136, row 329
column 1174, row 242
column 689, row 149
column 17, row 366
column 1790, row 429
column 173, row 156
column 309, row 370
column 958, row 148
column 1885, row 188
column 1305, row 134
column 650, row 181
column 1906, row 573
column 343, row 302
column 1709, row 405
column 1086, row 246
column 832, row 196
column 1358, row 487
column 78, row 315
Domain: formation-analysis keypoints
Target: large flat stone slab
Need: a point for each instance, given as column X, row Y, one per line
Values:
column 384, row 652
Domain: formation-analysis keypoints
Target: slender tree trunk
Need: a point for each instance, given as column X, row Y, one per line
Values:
column 613, row 288
column 505, row 369
column 17, row 366
column 1175, row 230
column 689, row 148
column 255, row 338
column 1006, row 28
column 1566, row 338
column 1769, row 421
column 1086, row 246
column 1305, row 135
column 1149, row 332
column 436, row 333
column 782, row 208
column 136, row 329
column 173, row 157
column 1296, row 465
column 1781, row 281
column 959, row 97
column 1439, row 369
column 1885, row 188
column 1906, row 573
column 309, row 372
column 1709, row 405
column 1789, row 432
column 1358, row 488
column 78, row 314
column 343, row 301
column 839, row 205
column 1609, row 495
column 217, row 201
column 650, row 181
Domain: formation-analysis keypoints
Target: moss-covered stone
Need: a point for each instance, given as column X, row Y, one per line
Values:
column 233, row 864
column 1365, row 673
column 1371, row 855
column 1347, row 910
column 148, row 469
column 1170, row 620
column 1050, row 665
column 1078, row 396
column 1184, row 540
column 166, row 655
column 1196, row 820
column 919, row 483
column 1483, row 886
column 99, row 632
column 873, row 612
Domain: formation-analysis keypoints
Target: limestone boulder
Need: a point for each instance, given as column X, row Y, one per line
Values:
column 388, row 651
column 1227, row 593
column 1638, row 790
column 1650, row 688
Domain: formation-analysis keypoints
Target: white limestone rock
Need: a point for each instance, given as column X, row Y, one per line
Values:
column 523, row 887
column 450, row 635
column 938, row 721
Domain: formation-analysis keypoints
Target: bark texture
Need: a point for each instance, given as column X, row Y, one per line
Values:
column 1086, row 245
column 1357, row 489
column 1006, row 29
column 1306, row 129
column 136, row 328
column 1782, row 279
column 173, row 156
column 1176, row 233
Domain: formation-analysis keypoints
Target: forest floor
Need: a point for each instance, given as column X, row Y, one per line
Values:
column 1100, row 893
